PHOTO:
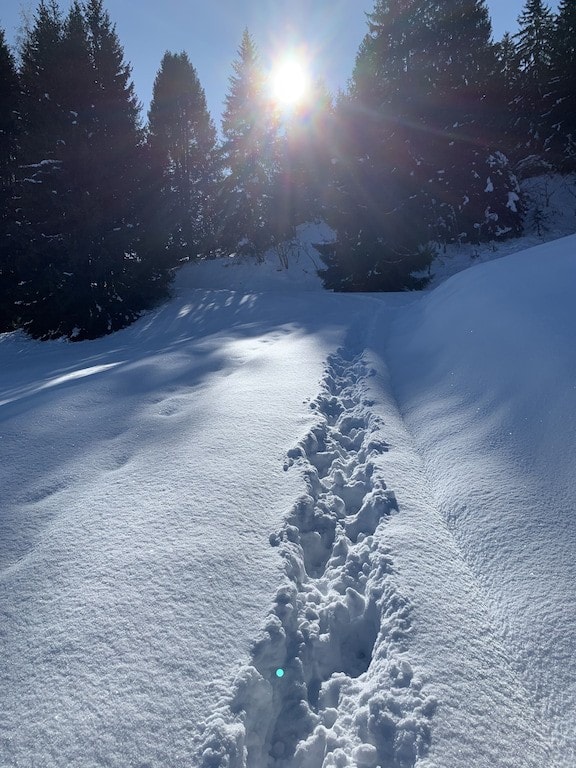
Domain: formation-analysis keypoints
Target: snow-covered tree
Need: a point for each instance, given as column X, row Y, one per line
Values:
column 9, row 117
column 81, row 272
column 423, row 163
column 534, row 42
column 380, row 220
column 37, row 248
column 509, row 63
column 504, row 89
column 463, row 166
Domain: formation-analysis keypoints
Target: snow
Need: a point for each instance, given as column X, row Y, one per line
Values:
column 373, row 493
column 513, row 200
column 493, row 416
column 246, row 274
column 551, row 214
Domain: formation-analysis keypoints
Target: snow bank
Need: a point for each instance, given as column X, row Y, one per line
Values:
column 290, row 266
column 484, row 369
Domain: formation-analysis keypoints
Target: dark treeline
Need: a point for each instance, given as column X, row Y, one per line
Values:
column 423, row 148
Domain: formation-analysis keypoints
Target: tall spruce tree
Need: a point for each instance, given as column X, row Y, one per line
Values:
column 380, row 221
column 420, row 161
column 509, row 64
column 534, row 49
column 305, row 165
column 249, row 149
column 184, row 159
column 82, row 270
column 38, row 246
column 561, row 96
column 467, row 175
column 9, row 115
column 505, row 86
column 379, row 218
column 42, row 81
column 9, row 134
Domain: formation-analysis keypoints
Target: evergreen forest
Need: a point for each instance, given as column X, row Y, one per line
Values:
column 425, row 146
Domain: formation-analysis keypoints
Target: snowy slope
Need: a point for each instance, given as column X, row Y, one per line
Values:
column 141, row 476
column 371, row 493
column 485, row 371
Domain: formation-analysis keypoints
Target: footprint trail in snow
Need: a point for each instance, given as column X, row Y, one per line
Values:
column 340, row 627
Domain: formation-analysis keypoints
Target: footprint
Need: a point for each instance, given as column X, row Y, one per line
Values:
column 340, row 614
column 168, row 408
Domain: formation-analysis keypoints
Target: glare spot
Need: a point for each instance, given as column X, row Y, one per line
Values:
column 289, row 82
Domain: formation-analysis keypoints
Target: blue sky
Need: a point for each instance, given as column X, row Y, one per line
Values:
column 210, row 32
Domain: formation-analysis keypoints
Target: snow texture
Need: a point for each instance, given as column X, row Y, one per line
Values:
column 340, row 614
column 373, row 494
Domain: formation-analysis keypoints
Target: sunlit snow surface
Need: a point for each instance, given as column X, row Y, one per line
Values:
column 373, row 494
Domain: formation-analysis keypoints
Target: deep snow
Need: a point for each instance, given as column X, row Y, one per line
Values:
column 373, row 493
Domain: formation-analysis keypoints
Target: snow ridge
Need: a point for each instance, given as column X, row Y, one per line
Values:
column 340, row 628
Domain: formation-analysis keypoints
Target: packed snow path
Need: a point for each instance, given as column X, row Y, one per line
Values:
column 340, row 614
column 365, row 684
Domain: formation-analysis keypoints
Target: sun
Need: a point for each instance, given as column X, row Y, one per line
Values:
column 289, row 83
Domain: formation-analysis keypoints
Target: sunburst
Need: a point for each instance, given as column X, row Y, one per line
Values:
column 289, row 82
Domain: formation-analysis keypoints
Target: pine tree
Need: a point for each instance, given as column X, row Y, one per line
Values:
column 184, row 159
column 42, row 82
column 420, row 161
column 9, row 135
column 561, row 97
column 463, row 167
column 9, row 117
column 380, row 219
column 249, row 156
column 38, row 251
column 305, row 166
column 509, row 64
column 380, row 223
column 534, row 49
column 505, row 90
column 83, row 272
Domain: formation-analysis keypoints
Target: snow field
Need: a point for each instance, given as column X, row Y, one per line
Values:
column 392, row 650
column 411, row 571
column 133, row 543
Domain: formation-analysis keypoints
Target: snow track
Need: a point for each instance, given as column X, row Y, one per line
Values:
column 340, row 627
